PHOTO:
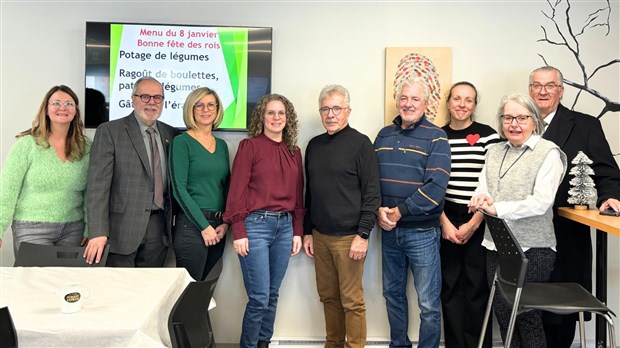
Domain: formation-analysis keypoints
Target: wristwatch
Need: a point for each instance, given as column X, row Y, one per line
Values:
column 364, row 235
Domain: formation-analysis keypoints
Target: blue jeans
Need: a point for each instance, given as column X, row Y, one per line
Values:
column 270, row 241
column 417, row 249
column 47, row 233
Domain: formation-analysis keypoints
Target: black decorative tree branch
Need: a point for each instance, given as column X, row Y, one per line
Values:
column 570, row 39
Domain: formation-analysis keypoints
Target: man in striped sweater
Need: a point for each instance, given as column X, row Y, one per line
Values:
column 414, row 165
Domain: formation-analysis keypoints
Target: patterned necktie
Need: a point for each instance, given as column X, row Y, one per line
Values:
column 158, row 198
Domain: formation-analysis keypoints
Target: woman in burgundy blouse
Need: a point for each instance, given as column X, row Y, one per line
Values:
column 265, row 210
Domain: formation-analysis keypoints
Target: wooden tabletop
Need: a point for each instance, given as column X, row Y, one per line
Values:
column 592, row 218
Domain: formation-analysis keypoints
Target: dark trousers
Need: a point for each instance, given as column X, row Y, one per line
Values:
column 561, row 334
column 528, row 331
column 465, row 290
column 190, row 249
column 151, row 252
column 573, row 264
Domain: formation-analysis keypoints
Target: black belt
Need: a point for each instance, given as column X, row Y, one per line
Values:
column 155, row 211
column 212, row 215
column 278, row 214
column 209, row 215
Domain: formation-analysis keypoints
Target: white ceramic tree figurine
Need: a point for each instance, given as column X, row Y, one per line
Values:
column 582, row 192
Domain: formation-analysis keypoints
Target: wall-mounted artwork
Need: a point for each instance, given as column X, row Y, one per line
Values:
column 433, row 64
column 569, row 28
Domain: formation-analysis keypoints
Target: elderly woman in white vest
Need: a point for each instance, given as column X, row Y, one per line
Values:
column 518, row 184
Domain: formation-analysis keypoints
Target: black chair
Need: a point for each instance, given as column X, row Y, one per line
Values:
column 559, row 298
column 37, row 255
column 189, row 323
column 8, row 334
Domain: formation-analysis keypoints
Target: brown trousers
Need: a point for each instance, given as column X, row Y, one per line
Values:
column 339, row 284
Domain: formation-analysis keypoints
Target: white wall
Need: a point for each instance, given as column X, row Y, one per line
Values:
column 494, row 45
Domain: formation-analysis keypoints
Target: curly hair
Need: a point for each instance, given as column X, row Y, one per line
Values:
column 257, row 120
column 75, row 143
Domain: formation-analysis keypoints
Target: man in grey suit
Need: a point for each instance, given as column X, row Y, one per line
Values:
column 128, row 199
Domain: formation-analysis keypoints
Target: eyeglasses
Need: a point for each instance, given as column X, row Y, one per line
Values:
column 201, row 106
column 521, row 119
column 145, row 98
column 336, row 110
column 550, row 87
column 57, row 104
column 273, row 113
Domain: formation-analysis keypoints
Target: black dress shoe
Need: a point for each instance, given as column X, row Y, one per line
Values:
column 263, row 344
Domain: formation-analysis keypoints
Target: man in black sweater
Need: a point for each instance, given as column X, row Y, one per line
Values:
column 342, row 198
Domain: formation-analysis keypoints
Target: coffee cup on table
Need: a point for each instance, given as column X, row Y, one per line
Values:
column 71, row 298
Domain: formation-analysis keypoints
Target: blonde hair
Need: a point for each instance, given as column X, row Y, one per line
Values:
column 75, row 143
column 476, row 99
column 192, row 98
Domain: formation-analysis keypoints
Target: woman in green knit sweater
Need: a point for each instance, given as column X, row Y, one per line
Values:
column 200, row 175
column 43, row 181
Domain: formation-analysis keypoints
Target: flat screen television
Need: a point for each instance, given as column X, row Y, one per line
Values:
column 234, row 61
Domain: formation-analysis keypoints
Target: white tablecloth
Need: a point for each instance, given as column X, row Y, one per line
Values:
column 127, row 306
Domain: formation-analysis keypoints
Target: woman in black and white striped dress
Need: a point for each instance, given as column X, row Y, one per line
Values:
column 465, row 291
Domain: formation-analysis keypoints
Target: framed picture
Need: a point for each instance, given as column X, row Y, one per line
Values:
column 433, row 64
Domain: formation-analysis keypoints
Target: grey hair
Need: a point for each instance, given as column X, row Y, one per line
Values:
column 525, row 101
column 335, row 89
column 142, row 79
column 410, row 82
column 548, row 68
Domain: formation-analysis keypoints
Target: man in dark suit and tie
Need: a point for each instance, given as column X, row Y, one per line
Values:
column 572, row 132
column 128, row 196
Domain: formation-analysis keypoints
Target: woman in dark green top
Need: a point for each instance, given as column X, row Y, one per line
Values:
column 200, row 175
